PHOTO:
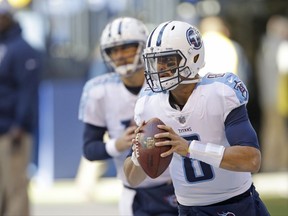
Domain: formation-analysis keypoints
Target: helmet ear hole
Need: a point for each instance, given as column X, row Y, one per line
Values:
column 196, row 57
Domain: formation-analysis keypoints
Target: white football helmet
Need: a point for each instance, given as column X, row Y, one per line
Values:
column 180, row 41
column 121, row 31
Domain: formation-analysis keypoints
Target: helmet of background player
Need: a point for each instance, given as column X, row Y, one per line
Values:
column 171, row 42
column 120, row 32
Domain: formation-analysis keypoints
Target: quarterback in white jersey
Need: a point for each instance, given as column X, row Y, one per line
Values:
column 107, row 105
column 203, row 119
column 215, row 148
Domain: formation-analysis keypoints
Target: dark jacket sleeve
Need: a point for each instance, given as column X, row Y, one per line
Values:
column 27, row 66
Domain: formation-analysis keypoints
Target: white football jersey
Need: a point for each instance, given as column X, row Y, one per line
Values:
column 106, row 102
column 202, row 118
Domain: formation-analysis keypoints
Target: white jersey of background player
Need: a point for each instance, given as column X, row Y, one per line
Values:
column 214, row 146
column 107, row 105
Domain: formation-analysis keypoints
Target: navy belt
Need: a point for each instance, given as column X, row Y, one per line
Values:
column 236, row 198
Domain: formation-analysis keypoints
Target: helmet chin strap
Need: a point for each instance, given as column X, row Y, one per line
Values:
column 130, row 68
column 195, row 79
column 133, row 67
column 191, row 81
column 186, row 79
column 122, row 70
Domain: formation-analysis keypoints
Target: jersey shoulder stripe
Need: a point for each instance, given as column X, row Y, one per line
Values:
column 230, row 80
column 146, row 92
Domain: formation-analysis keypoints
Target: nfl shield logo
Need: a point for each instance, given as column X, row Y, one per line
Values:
column 182, row 119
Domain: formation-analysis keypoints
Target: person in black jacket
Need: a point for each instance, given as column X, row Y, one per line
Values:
column 19, row 72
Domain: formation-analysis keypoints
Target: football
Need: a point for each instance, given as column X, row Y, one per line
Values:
column 149, row 154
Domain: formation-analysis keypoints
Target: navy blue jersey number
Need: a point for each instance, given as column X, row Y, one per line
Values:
column 196, row 171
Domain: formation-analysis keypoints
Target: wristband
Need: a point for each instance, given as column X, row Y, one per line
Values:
column 134, row 159
column 209, row 153
column 111, row 148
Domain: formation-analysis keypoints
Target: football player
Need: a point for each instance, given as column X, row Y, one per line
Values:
column 215, row 148
column 107, row 105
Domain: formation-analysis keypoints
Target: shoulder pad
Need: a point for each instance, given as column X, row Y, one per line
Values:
column 95, row 86
column 231, row 80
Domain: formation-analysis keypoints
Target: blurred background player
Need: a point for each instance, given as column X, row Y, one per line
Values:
column 207, row 126
column 222, row 54
column 107, row 105
column 19, row 72
column 272, row 64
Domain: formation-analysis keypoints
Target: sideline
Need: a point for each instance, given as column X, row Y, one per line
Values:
column 108, row 190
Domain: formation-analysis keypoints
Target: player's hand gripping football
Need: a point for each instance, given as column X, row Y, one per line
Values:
column 135, row 142
column 179, row 144
column 124, row 142
column 135, row 154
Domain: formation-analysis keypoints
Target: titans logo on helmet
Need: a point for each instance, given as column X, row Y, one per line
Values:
column 194, row 38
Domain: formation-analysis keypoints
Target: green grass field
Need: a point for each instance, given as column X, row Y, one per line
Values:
column 276, row 206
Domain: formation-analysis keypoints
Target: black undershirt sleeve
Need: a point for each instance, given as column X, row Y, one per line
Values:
column 239, row 130
column 94, row 146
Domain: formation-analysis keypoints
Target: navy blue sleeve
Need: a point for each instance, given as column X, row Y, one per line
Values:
column 94, row 146
column 239, row 130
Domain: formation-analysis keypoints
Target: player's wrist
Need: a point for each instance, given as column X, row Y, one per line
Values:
column 134, row 159
column 207, row 152
column 111, row 148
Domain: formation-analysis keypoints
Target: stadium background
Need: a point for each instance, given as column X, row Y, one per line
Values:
column 67, row 32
